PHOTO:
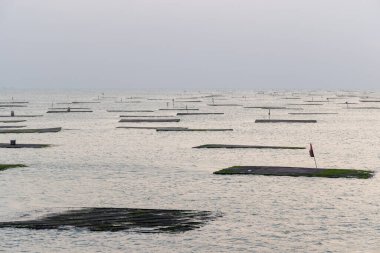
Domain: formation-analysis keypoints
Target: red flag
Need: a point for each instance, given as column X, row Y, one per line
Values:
column 311, row 151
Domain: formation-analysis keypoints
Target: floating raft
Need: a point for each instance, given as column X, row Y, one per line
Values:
column 12, row 121
column 37, row 130
column 149, row 120
column 305, row 104
column 188, row 101
column 224, row 105
column 85, row 102
column 14, row 102
column 184, row 129
column 20, row 116
column 245, row 146
column 285, row 121
column 370, row 101
column 119, row 219
column 71, row 108
column 8, row 145
column 295, row 172
column 144, row 116
column 180, row 109
column 153, row 128
column 5, row 106
column 365, row 108
column 312, row 113
column 71, row 111
column 128, row 102
column 199, row 113
column 266, row 107
column 9, row 166
column 12, row 126
column 130, row 111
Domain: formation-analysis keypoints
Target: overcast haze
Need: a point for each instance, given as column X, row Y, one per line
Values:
column 190, row 44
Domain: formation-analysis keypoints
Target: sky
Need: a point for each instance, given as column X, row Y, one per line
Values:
column 190, row 44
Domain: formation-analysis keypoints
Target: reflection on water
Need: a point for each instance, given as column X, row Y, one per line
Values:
column 94, row 164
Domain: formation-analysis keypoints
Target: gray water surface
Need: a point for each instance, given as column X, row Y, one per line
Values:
column 93, row 164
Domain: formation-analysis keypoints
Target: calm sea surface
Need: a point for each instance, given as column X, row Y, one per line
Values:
column 93, row 164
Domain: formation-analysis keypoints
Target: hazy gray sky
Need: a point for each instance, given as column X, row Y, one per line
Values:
column 186, row 44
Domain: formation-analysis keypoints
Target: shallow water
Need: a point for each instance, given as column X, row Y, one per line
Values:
column 93, row 164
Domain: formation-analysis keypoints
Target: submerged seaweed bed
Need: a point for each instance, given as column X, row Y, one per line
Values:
column 296, row 172
column 119, row 219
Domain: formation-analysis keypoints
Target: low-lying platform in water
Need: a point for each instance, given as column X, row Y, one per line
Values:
column 144, row 127
column 370, row 100
column 67, row 111
column 285, row 121
column 12, row 126
column 8, row 145
column 224, row 105
column 231, row 146
column 185, row 129
column 20, row 116
column 12, row 121
column 36, row 130
column 295, row 172
column 9, row 166
column 306, row 104
column 149, row 120
column 14, row 102
column 85, row 102
column 365, row 108
column 145, row 116
column 180, row 109
column 312, row 113
column 266, row 107
column 273, row 108
column 199, row 113
column 6, row 106
column 71, row 108
column 130, row 111
column 119, row 219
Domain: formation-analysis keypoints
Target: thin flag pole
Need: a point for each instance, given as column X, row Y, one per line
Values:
column 311, row 152
column 315, row 161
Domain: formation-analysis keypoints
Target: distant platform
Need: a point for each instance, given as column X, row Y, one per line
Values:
column 285, row 121
column 149, row 120
column 145, row 116
column 8, row 145
column 231, row 146
column 5, row 106
column 306, row 104
column 312, row 113
column 85, row 102
column 193, row 129
column 37, row 130
column 224, row 105
column 370, row 101
column 295, row 172
column 130, row 111
column 365, row 108
column 146, row 127
column 10, row 166
column 20, row 116
column 199, row 113
column 180, row 109
column 12, row 121
column 12, row 126
column 71, row 111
